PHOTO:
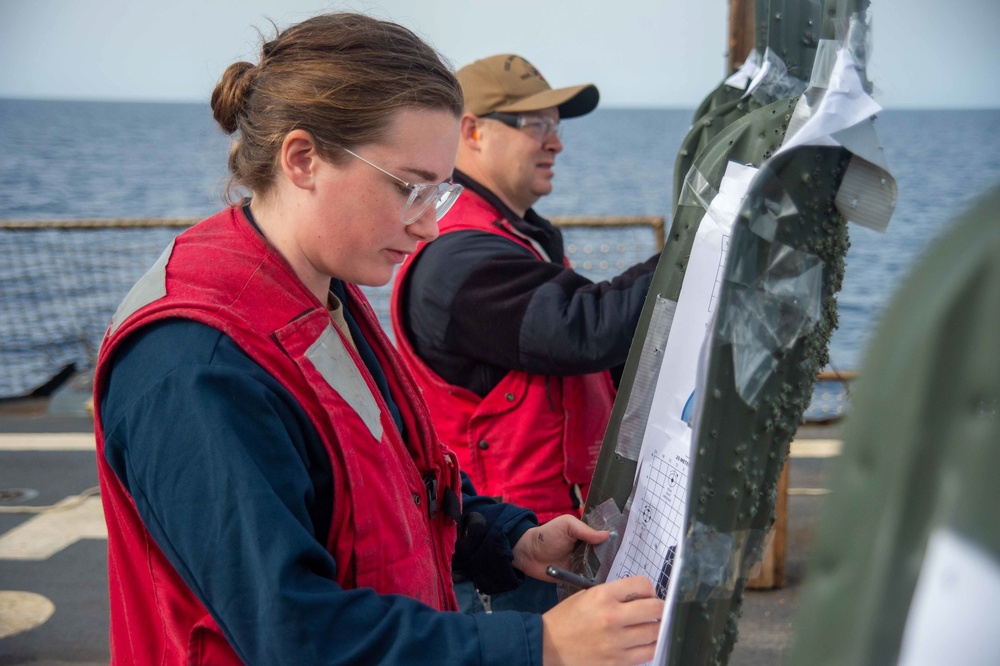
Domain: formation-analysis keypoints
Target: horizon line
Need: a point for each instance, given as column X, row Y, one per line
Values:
column 609, row 107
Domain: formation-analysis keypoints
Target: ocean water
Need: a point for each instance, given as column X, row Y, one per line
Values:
column 85, row 160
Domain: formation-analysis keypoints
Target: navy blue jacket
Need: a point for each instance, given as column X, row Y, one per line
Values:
column 187, row 409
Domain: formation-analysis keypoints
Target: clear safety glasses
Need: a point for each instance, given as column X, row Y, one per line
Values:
column 539, row 127
column 422, row 195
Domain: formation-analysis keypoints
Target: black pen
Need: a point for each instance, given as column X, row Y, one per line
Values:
column 576, row 580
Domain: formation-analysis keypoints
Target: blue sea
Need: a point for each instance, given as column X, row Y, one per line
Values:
column 87, row 160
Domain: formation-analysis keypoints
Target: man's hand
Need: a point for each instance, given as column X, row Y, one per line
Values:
column 552, row 543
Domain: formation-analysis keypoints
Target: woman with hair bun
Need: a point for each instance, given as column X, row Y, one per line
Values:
column 272, row 483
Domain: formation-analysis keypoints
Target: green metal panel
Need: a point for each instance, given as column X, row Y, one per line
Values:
column 742, row 441
column 921, row 451
column 749, row 140
column 742, row 444
column 794, row 31
column 741, row 447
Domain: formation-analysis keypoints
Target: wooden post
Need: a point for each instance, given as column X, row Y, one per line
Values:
column 772, row 566
column 741, row 33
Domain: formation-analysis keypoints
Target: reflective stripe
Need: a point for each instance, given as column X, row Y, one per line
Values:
column 330, row 357
column 151, row 287
column 640, row 400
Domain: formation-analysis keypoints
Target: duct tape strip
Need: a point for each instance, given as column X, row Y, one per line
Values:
column 867, row 194
column 714, row 562
column 633, row 425
column 772, row 297
column 604, row 516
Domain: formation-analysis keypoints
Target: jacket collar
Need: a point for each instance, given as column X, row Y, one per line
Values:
column 532, row 224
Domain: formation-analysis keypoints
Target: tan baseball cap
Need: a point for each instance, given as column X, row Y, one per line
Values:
column 508, row 83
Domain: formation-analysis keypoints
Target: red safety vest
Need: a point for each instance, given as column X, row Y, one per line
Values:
column 222, row 273
column 533, row 440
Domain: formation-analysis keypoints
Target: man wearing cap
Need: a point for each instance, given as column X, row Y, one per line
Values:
column 511, row 347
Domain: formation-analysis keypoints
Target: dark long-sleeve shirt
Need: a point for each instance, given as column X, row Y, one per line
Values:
column 233, row 483
column 477, row 305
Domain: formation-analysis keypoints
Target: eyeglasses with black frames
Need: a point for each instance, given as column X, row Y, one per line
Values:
column 539, row 127
column 422, row 195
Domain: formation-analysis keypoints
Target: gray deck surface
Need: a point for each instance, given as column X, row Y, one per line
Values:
column 75, row 577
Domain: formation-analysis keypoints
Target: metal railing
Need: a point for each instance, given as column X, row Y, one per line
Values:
column 61, row 281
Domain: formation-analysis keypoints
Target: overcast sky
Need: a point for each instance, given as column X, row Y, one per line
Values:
column 640, row 53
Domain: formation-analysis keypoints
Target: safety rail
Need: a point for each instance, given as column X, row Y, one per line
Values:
column 61, row 281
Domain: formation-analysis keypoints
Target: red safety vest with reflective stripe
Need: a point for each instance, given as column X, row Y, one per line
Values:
column 222, row 273
column 533, row 440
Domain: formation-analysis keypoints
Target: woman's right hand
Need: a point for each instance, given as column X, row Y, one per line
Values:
column 615, row 623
